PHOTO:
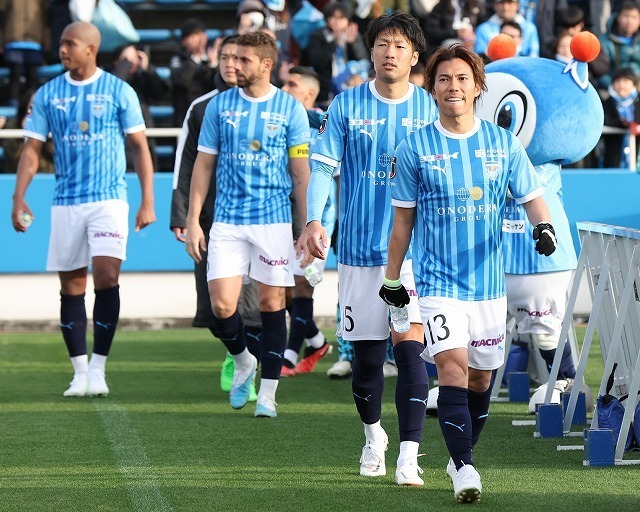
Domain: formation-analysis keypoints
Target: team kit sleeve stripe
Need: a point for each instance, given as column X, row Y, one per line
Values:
column 205, row 149
column 135, row 129
column 324, row 160
column 34, row 135
column 403, row 204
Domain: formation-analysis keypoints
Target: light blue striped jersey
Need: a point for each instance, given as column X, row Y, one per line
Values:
column 459, row 184
column 88, row 121
column 361, row 131
column 329, row 212
column 251, row 137
column 518, row 245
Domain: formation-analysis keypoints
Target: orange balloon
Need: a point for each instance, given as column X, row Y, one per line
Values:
column 501, row 47
column 585, row 46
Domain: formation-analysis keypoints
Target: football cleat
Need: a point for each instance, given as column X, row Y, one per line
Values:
column 389, row 369
column 340, row 370
column 311, row 357
column 241, row 387
column 97, row 384
column 409, row 473
column 226, row 374
column 78, row 386
column 372, row 459
column 285, row 371
column 467, row 486
column 451, row 469
column 265, row 408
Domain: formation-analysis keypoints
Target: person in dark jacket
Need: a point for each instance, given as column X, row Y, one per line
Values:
column 331, row 47
column 193, row 68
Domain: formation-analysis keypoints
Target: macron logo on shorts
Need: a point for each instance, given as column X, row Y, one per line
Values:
column 282, row 262
column 488, row 342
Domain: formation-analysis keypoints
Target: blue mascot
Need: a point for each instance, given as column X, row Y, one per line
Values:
column 558, row 116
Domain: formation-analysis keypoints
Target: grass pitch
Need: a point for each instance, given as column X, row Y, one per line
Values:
column 166, row 439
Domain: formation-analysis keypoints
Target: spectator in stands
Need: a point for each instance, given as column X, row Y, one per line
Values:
column 192, row 68
column 571, row 19
column 621, row 110
column 621, row 43
column 13, row 147
column 251, row 16
column 132, row 66
column 417, row 77
column 89, row 221
column 513, row 30
column 507, row 10
column 562, row 47
column 453, row 20
column 331, row 47
column 544, row 15
column 24, row 22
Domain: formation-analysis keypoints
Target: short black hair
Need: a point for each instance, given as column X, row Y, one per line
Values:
column 512, row 24
column 570, row 16
column 625, row 73
column 304, row 71
column 400, row 22
column 336, row 6
column 191, row 26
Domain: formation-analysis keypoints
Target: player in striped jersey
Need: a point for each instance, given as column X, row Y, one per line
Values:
column 361, row 131
column 251, row 135
column 536, row 286
column 452, row 179
column 88, row 113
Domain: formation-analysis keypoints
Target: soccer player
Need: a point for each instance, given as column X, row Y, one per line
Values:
column 252, row 136
column 452, row 179
column 88, row 113
column 360, row 133
column 186, row 153
column 304, row 85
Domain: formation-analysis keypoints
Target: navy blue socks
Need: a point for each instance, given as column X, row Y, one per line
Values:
column 455, row 423
column 368, row 379
column 106, row 313
column 73, row 324
column 412, row 389
column 273, row 342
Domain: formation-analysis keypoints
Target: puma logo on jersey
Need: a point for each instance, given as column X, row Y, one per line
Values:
column 369, row 134
column 443, row 170
column 233, row 123
column 62, row 107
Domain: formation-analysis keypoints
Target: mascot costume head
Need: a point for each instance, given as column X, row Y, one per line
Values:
column 550, row 106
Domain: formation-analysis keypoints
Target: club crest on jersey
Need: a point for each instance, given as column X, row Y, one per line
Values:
column 272, row 130
column 323, row 124
column 98, row 109
column 392, row 173
column 492, row 169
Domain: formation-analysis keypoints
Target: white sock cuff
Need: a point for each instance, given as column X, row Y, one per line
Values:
column 80, row 363
column 291, row 355
column 268, row 388
column 243, row 359
column 316, row 341
column 373, row 432
column 408, row 450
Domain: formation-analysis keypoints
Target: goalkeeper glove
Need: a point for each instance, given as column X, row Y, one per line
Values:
column 394, row 293
column 546, row 238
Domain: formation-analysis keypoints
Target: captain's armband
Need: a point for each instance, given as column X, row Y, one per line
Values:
column 299, row 151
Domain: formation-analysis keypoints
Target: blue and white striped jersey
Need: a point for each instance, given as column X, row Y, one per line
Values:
column 459, row 185
column 251, row 137
column 362, row 129
column 518, row 246
column 329, row 213
column 88, row 121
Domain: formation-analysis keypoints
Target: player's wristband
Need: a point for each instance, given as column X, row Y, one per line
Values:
column 299, row 151
column 392, row 284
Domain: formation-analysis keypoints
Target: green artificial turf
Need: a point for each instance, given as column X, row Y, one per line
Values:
column 167, row 439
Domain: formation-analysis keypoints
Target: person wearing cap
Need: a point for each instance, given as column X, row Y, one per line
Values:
column 507, row 10
column 252, row 16
column 193, row 68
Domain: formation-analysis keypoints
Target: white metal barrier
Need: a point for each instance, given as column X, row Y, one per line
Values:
column 610, row 258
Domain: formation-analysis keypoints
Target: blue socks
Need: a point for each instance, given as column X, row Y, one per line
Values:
column 412, row 390
column 301, row 316
column 273, row 342
column 368, row 379
column 106, row 313
column 567, row 370
column 455, row 423
column 479, row 411
column 73, row 324
column 231, row 333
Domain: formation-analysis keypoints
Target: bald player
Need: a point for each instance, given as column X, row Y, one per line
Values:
column 89, row 114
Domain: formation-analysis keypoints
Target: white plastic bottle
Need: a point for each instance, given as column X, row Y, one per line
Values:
column 399, row 318
column 312, row 274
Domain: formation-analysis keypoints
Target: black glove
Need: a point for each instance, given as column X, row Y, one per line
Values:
column 546, row 238
column 394, row 293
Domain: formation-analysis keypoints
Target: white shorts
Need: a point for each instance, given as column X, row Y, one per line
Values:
column 478, row 326
column 538, row 302
column 264, row 252
column 364, row 315
column 319, row 264
column 80, row 232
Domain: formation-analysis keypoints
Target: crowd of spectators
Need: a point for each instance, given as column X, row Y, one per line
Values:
column 327, row 36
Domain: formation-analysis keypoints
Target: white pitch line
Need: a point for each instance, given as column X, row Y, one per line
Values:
column 139, row 478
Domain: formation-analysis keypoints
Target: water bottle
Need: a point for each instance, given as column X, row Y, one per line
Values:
column 400, row 318
column 312, row 274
